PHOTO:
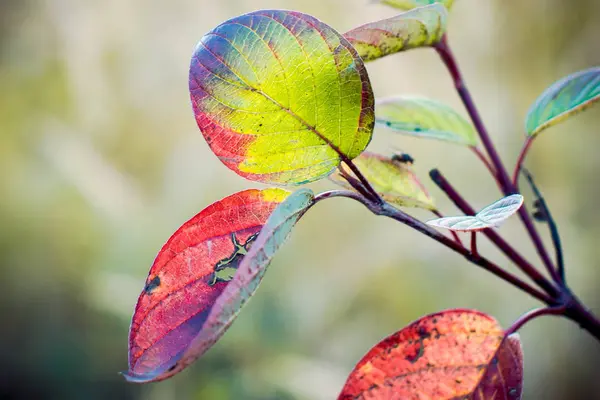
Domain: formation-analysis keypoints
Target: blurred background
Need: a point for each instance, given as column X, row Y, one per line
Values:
column 101, row 160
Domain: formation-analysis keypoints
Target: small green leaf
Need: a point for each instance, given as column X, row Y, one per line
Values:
column 417, row 116
column 410, row 4
column 249, row 272
column 564, row 98
column 490, row 216
column 393, row 180
column 280, row 96
column 423, row 26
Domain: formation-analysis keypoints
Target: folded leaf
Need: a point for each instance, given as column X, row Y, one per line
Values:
column 489, row 217
column 426, row 118
column 187, row 277
column 393, row 180
column 503, row 379
column 280, row 96
column 564, row 98
column 410, row 4
column 441, row 356
column 423, row 26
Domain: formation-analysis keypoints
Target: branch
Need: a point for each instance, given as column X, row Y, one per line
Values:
column 506, row 248
column 533, row 314
column 551, row 225
column 520, row 160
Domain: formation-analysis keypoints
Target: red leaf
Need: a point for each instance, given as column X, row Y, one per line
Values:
column 188, row 275
column 440, row 356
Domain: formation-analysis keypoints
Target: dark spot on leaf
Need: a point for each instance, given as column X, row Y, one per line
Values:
column 172, row 368
column 153, row 284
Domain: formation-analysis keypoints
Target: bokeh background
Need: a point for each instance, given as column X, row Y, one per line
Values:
column 101, row 160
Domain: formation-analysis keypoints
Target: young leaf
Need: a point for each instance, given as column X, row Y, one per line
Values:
column 187, row 277
column 423, row 26
column 503, row 379
column 564, row 98
column 280, row 96
column 489, row 217
column 426, row 118
column 410, row 4
column 394, row 181
column 440, row 356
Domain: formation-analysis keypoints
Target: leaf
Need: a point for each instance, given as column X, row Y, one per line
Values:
column 440, row 356
column 189, row 274
column 423, row 26
column 280, row 96
column 426, row 118
column 410, row 4
column 564, row 98
column 503, row 379
column 393, row 180
column 489, row 217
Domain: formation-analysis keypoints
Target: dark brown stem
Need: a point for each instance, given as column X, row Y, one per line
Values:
column 355, row 183
column 506, row 248
column 474, row 244
column 577, row 312
column 373, row 194
column 520, row 160
column 506, row 185
column 387, row 210
column 533, row 314
column 485, row 161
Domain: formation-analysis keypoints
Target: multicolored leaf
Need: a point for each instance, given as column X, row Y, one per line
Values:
column 423, row 26
column 410, row 4
column 489, row 217
column 189, row 274
column 426, row 118
column 503, row 379
column 564, row 98
column 393, row 180
column 440, row 356
column 280, row 96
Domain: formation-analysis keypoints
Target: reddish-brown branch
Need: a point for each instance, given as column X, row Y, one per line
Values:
column 520, row 160
column 533, row 314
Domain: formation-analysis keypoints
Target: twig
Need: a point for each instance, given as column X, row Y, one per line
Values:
column 533, row 314
column 551, row 225
column 520, row 160
column 474, row 244
column 485, row 161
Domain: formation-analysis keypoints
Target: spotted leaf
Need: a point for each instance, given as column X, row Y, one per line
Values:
column 441, row 356
column 188, row 276
column 395, row 181
column 280, row 96
column 423, row 26
column 564, row 98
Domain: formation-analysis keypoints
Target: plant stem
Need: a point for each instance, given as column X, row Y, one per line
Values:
column 520, row 160
column 506, row 248
column 445, row 52
column 474, row 244
column 374, row 195
column 386, row 210
column 578, row 313
column 533, row 314
column 551, row 225
column 438, row 214
column 485, row 161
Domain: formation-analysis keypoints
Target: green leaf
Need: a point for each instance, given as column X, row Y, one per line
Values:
column 490, row 216
column 249, row 273
column 423, row 26
column 280, row 96
column 410, row 4
column 564, row 98
column 417, row 116
column 393, row 180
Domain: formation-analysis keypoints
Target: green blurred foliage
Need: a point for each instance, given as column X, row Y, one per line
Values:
column 100, row 161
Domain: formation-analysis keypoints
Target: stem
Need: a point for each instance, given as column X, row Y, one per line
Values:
column 533, row 314
column 485, row 161
column 355, row 183
column 445, row 52
column 551, row 225
column 474, row 244
column 386, row 210
column 373, row 194
column 520, row 160
column 506, row 248
column 438, row 214
column 577, row 312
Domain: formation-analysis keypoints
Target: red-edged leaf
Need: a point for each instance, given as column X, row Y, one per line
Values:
column 503, row 379
column 188, row 275
column 440, row 356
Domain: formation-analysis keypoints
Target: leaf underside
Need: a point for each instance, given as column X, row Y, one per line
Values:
column 280, row 96
column 489, row 217
column 393, row 180
column 440, row 356
column 188, row 275
column 421, row 117
column 423, row 26
column 563, row 99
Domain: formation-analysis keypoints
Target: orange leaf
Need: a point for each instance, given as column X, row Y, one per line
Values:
column 440, row 356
